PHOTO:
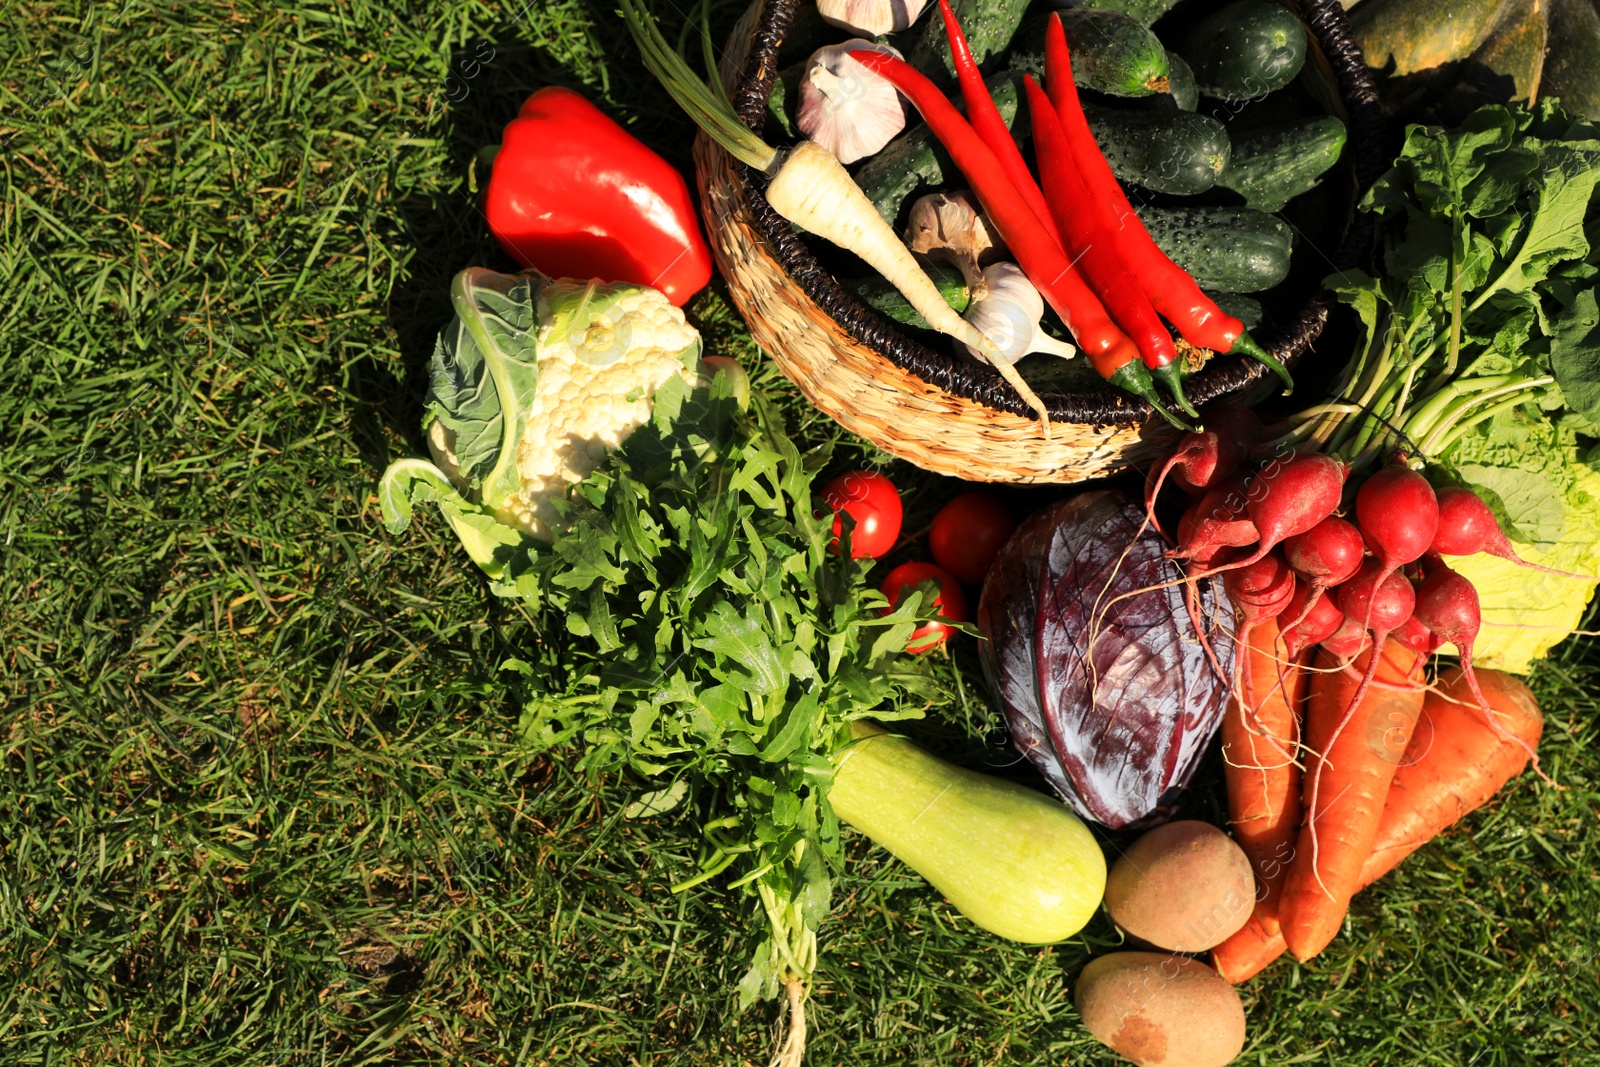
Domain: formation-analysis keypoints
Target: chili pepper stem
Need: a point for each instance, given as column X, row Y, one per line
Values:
column 1249, row 346
column 1135, row 378
column 1171, row 376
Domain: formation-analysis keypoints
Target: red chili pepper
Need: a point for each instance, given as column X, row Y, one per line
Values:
column 574, row 195
column 989, row 125
column 1114, row 356
column 1169, row 287
column 1091, row 244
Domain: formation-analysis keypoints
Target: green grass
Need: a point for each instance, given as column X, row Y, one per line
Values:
column 264, row 799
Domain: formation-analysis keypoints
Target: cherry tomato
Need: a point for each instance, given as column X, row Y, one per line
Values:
column 967, row 534
column 951, row 601
column 873, row 501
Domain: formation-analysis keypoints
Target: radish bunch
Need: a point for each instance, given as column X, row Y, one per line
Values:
column 1277, row 529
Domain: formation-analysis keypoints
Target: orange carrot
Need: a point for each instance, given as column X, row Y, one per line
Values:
column 1260, row 735
column 1352, row 751
column 1456, row 761
column 1453, row 764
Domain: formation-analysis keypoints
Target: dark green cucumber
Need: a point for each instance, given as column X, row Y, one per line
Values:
column 914, row 161
column 1143, row 11
column 879, row 295
column 989, row 26
column 1275, row 164
column 1180, row 83
column 1166, row 151
column 1225, row 249
column 1114, row 54
column 1244, row 308
column 1246, row 50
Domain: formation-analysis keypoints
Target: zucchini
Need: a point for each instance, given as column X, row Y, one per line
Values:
column 1143, row 11
column 915, row 160
column 1225, row 249
column 877, row 293
column 1275, row 164
column 1113, row 54
column 988, row 24
column 1416, row 35
column 1016, row 862
column 1572, row 69
column 1246, row 50
column 1167, row 151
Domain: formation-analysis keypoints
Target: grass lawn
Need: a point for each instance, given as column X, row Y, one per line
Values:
column 264, row 799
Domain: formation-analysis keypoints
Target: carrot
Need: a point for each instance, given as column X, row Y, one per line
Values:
column 1260, row 732
column 1352, row 753
column 1453, row 764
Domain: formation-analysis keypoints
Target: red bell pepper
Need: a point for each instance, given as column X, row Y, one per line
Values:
column 574, row 195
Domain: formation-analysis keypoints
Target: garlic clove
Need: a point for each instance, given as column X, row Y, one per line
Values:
column 845, row 107
column 1008, row 312
column 871, row 18
column 951, row 228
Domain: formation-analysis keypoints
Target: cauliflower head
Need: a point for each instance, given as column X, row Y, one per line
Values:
column 530, row 387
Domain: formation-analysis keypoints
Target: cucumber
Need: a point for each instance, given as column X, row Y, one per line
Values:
column 883, row 297
column 915, row 160
column 1180, row 83
column 1017, row 863
column 1166, row 151
column 1225, row 249
column 1113, row 54
column 1143, row 11
column 1275, row 164
column 1246, row 50
column 988, row 24
column 1244, row 308
column 1572, row 69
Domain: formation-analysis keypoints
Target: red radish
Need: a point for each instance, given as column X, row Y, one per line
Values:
column 1290, row 497
column 1327, row 554
column 1447, row 604
column 1261, row 590
column 1204, row 459
column 1216, row 521
column 1316, row 620
column 1195, row 451
column 1415, row 635
column 1466, row 526
column 1348, row 640
column 1259, row 593
column 1379, row 596
column 1398, row 514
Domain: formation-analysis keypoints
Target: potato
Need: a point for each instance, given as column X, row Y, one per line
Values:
column 1160, row 1010
column 1184, row 887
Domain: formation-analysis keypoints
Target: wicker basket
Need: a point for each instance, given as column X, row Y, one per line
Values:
column 953, row 416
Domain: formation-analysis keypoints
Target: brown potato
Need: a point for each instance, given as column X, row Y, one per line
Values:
column 1160, row 1010
column 1184, row 887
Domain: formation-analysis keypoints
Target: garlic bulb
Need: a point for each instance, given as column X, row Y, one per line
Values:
column 845, row 107
column 951, row 228
column 871, row 18
column 1008, row 311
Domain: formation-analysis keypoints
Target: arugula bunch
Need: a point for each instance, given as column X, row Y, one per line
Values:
column 718, row 648
column 1481, row 348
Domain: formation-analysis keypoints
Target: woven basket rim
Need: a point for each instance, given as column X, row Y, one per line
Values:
column 1222, row 379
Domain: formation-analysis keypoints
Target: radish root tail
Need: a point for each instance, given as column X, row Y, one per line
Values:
column 793, row 1050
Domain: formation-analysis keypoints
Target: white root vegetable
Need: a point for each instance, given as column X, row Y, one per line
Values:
column 812, row 189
